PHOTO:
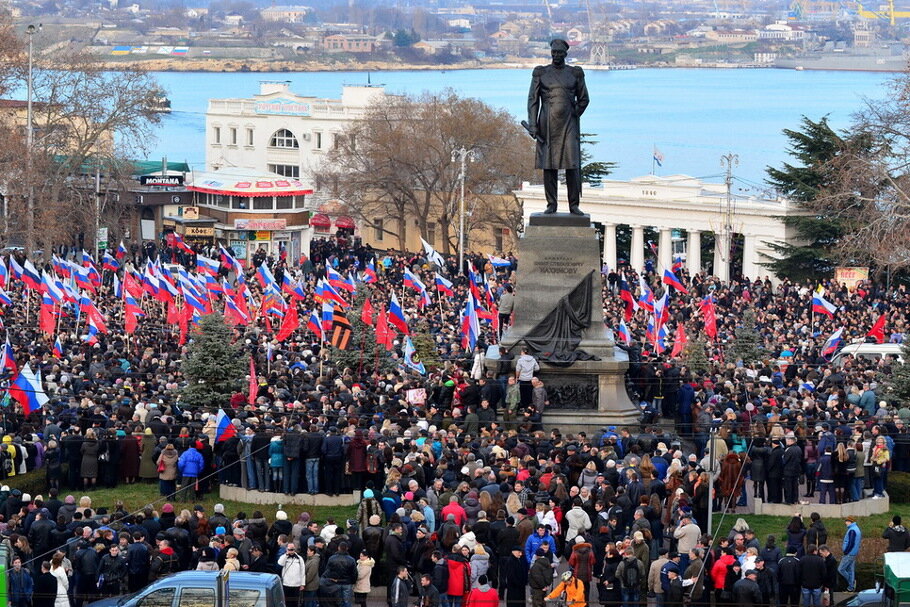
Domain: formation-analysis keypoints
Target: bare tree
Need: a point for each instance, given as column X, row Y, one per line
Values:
column 85, row 119
column 870, row 184
column 400, row 154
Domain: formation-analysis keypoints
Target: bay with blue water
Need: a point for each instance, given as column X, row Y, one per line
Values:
column 693, row 116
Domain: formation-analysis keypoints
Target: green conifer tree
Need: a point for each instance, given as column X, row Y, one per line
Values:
column 363, row 353
column 747, row 344
column 813, row 148
column 214, row 367
column 897, row 386
column 695, row 357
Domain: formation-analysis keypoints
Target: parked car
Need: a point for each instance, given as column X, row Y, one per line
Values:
column 204, row 589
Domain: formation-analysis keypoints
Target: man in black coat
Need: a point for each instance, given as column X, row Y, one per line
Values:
column 813, row 576
column 513, row 577
column 429, row 595
column 333, row 460
column 395, row 553
column 114, row 570
column 44, row 591
column 792, row 468
column 746, row 591
column 39, row 535
column 789, row 574
column 775, row 473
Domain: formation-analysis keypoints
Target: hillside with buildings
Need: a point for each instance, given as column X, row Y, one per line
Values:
column 229, row 35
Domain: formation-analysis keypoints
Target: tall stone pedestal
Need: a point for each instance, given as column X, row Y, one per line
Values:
column 556, row 253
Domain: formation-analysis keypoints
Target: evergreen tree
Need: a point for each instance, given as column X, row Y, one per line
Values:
column 813, row 147
column 897, row 386
column 363, row 353
column 425, row 346
column 747, row 344
column 214, row 367
column 695, row 357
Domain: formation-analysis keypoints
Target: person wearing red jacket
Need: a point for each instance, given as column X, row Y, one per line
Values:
column 719, row 574
column 459, row 583
column 455, row 509
column 483, row 595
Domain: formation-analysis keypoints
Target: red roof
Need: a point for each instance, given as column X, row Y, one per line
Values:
column 320, row 220
column 344, row 223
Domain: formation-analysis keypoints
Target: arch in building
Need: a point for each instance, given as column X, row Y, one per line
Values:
column 283, row 138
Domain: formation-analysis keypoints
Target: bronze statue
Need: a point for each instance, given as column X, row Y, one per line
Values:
column 556, row 101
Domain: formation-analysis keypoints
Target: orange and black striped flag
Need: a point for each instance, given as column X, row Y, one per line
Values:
column 342, row 331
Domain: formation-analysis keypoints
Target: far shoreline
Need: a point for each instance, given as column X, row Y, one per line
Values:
column 211, row 66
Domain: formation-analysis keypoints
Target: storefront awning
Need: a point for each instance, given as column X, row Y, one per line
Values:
column 320, row 220
column 344, row 223
column 234, row 182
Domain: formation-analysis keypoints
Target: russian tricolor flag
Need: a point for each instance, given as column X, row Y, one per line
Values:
column 396, row 315
column 58, row 348
column 208, row 266
column 109, row 262
column 369, row 275
column 499, row 262
column 313, row 325
column 27, row 389
column 9, row 359
column 820, row 305
column 833, row 343
column 121, row 251
column 444, row 286
column 224, row 429
column 624, row 332
column 671, row 279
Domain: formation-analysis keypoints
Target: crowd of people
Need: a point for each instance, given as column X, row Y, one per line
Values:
column 464, row 490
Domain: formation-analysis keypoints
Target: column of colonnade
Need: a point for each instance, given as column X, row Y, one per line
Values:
column 665, row 251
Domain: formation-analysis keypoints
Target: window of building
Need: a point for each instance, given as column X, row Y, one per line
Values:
column 285, row 170
column 233, row 136
column 284, row 202
column 216, row 133
column 377, row 225
column 249, row 136
column 318, row 140
column 299, row 201
column 431, row 233
column 263, row 203
column 283, row 138
column 240, row 202
column 499, row 240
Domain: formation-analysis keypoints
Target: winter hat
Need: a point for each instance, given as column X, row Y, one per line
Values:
column 367, row 494
column 281, row 515
column 167, row 508
column 219, row 508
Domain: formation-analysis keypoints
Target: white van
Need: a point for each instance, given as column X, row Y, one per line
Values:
column 868, row 351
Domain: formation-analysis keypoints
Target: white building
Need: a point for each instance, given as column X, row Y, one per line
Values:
column 684, row 204
column 279, row 131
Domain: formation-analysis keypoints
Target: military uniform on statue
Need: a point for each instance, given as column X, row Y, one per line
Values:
column 556, row 101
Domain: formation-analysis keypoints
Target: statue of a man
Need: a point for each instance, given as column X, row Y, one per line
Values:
column 557, row 99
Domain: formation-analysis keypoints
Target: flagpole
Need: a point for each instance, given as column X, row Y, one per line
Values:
column 653, row 159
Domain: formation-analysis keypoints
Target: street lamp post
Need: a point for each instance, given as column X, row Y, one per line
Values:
column 462, row 155
column 30, row 139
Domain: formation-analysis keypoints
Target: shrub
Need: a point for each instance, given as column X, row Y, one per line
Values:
column 899, row 487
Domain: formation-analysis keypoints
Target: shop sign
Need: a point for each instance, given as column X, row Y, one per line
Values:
column 260, row 224
column 263, row 235
column 197, row 231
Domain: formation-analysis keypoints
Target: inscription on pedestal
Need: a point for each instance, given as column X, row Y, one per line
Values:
column 571, row 391
column 556, row 264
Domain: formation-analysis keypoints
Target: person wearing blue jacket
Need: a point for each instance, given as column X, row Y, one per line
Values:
column 190, row 466
column 534, row 541
column 276, row 463
column 20, row 585
column 852, row 540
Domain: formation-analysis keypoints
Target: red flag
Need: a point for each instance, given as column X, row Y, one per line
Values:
column 186, row 315
column 173, row 313
column 254, row 382
column 878, row 329
column 710, row 317
column 290, row 323
column 384, row 334
column 680, row 340
column 366, row 314
column 46, row 318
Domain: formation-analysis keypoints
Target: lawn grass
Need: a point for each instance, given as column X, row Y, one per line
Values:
column 135, row 497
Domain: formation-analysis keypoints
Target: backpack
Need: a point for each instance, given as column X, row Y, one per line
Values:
column 631, row 576
column 372, row 460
